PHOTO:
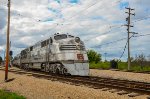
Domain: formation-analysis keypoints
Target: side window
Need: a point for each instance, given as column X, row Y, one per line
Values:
column 43, row 43
column 23, row 54
column 31, row 48
column 47, row 42
column 51, row 40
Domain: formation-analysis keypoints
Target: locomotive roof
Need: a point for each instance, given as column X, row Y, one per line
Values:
column 39, row 42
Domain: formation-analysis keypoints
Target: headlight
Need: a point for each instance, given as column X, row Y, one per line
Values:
column 77, row 39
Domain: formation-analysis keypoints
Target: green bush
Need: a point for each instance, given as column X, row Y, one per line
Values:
column 100, row 65
column 122, row 65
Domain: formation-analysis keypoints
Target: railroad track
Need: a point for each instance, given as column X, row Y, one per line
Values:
column 131, row 71
column 113, row 85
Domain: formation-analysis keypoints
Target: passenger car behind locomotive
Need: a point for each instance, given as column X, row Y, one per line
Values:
column 60, row 54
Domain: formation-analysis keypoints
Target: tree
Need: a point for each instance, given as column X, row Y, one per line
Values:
column 148, row 57
column 1, row 59
column 140, row 59
column 93, row 56
column 132, row 59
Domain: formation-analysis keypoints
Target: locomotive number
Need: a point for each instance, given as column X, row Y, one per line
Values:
column 80, row 56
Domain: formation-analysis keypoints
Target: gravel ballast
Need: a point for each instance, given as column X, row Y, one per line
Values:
column 36, row 88
column 121, row 75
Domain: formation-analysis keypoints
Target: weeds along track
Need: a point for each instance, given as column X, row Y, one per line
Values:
column 93, row 82
column 131, row 71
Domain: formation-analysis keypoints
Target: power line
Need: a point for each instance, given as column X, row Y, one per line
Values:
column 39, row 20
column 79, row 13
column 123, row 50
column 141, row 19
column 103, row 33
column 35, row 19
column 101, row 8
column 110, row 42
column 112, row 48
column 127, row 43
column 118, row 40
column 85, row 10
column 141, row 35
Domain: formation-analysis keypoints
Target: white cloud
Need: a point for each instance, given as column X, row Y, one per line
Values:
column 33, row 20
column 1, row 48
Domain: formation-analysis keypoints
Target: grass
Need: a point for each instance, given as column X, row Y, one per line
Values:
column 121, row 66
column 9, row 95
column 102, row 65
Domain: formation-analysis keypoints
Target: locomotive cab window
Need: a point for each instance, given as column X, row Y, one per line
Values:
column 59, row 37
column 70, row 36
column 31, row 48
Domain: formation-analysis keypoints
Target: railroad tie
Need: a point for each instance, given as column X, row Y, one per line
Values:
column 77, row 84
column 105, row 89
column 122, row 92
column 113, row 90
column 97, row 87
column 90, row 86
column 148, row 97
column 133, row 94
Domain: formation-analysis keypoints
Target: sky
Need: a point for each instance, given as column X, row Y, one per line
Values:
column 99, row 23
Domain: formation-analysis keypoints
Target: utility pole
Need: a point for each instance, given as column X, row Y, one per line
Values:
column 7, row 45
column 128, row 19
column 105, row 56
column 4, row 55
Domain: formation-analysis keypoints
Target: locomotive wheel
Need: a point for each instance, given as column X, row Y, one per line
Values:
column 50, row 70
column 46, row 68
column 43, row 67
column 23, row 66
column 57, row 72
column 27, row 67
column 61, row 72
column 64, row 71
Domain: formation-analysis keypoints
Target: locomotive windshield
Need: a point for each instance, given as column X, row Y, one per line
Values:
column 59, row 37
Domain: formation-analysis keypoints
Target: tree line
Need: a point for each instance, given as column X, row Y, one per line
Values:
column 139, row 60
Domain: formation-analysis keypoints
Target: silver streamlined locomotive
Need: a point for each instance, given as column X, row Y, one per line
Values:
column 60, row 54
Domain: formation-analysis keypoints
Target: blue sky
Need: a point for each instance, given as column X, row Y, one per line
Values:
column 124, row 4
column 74, row 1
column 96, row 22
